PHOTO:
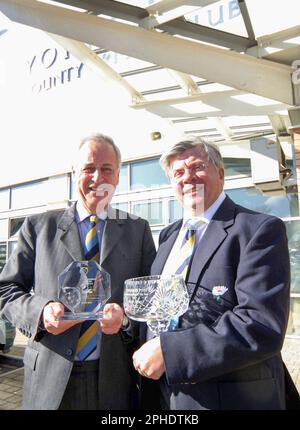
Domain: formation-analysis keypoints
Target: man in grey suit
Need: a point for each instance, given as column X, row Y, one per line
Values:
column 55, row 377
column 225, row 351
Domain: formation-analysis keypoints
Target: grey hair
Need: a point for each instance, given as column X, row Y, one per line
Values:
column 99, row 137
column 210, row 149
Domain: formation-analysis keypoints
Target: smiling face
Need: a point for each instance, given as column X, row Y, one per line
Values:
column 96, row 174
column 197, row 181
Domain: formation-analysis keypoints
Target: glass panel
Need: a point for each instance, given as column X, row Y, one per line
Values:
column 4, row 200
column 123, row 63
column 122, row 206
column 224, row 15
column 281, row 206
column 175, row 211
column 123, row 180
column 73, row 191
column 15, row 225
column 11, row 246
column 237, row 166
column 150, row 211
column 155, row 235
column 2, row 255
column 3, row 229
column 147, row 174
column 57, row 188
column 33, row 194
column 288, row 11
column 151, row 80
column 293, row 233
column 166, row 94
column 294, row 317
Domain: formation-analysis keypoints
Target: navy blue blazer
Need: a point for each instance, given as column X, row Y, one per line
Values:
column 226, row 352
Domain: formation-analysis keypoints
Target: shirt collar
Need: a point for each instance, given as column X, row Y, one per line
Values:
column 83, row 213
column 207, row 216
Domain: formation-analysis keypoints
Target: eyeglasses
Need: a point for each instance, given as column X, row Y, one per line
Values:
column 177, row 175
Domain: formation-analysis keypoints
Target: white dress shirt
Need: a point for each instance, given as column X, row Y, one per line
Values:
column 172, row 262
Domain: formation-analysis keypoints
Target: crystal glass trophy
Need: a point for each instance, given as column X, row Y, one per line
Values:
column 84, row 288
column 156, row 300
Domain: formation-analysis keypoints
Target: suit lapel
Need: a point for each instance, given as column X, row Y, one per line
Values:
column 213, row 237
column 165, row 249
column 70, row 235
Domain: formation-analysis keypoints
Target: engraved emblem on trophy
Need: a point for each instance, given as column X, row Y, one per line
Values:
column 84, row 289
column 157, row 300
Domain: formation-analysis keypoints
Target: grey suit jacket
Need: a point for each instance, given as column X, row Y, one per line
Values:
column 47, row 244
column 226, row 352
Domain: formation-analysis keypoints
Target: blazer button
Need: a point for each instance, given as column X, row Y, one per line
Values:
column 69, row 352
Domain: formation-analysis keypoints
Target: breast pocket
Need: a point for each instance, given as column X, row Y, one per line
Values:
column 212, row 296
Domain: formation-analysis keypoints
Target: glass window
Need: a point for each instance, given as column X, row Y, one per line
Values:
column 294, row 317
column 123, row 180
column 224, row 15
column 175, row 210
column 11, row 246
column 73, row 190
column 3, row 229
column 293, row 233
column 122, row 206
column 151, row 211
column 237, row 166
column 57, row 188
column 15, row 225
column 2, row 255
column 147, row 174
column 27, row 195
column 281, row 206
column 4, row 200
column 155, row 235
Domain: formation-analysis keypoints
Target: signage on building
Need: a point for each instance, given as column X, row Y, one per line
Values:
column 53, row 67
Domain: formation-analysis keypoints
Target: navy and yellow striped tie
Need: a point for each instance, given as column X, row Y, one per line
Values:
column 187, row 249
column 186, row 252
column 89, row 334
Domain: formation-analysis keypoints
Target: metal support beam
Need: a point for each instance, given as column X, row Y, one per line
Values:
column 222, row 127
column 115, row 9
column 167, row 10
column 278, row 125
column 274, row 42
column 208, row 35
column 246, row 18
column 136, row 14
column 99, row 66
column 164, row 6
column 185, row 81
column 220, row 103
column 153, row 21
column 243, row 72
column 279, row 36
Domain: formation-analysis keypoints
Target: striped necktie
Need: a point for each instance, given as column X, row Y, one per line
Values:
column 186, row 253
column 87, row 342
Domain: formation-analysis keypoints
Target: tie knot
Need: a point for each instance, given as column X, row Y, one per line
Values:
column 194, row 223
column 93, row 219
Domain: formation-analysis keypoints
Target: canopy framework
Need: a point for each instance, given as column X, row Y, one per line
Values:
column 204, row 76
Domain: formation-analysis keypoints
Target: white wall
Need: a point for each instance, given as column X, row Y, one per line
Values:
column 42, row 126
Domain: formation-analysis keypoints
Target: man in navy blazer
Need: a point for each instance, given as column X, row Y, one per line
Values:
column 225, row 351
